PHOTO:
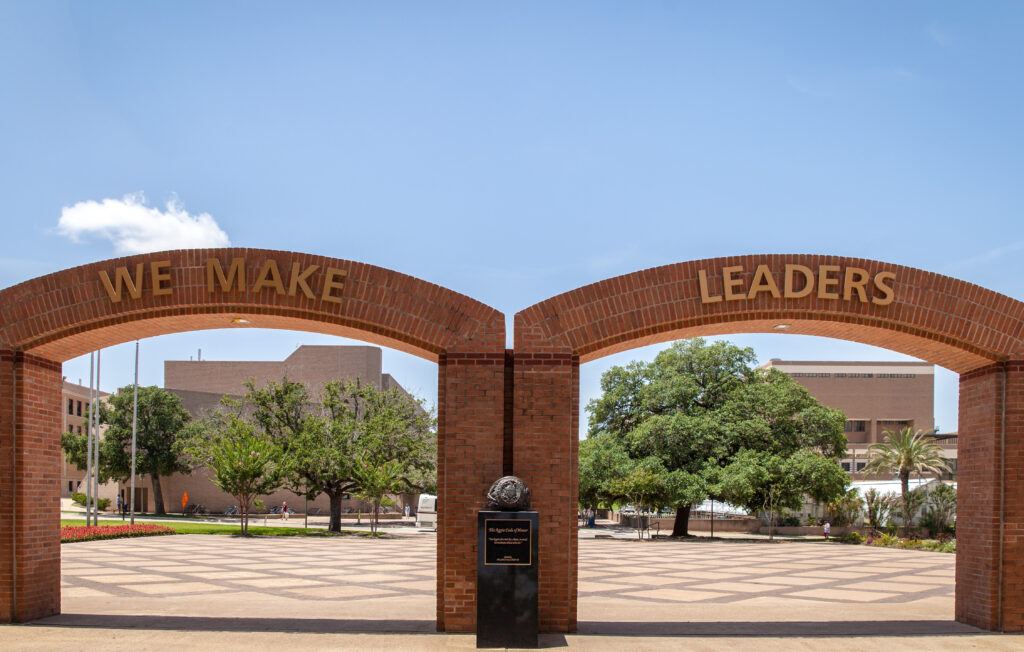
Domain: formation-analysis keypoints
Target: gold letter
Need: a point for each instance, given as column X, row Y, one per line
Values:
column 728, row 282
column 236, row 275
column 269, row 276
column 299, row 280
column 121, row 276
column 887, row 291
column 763, row 280
column 825, row 281
column 159, row 275
column 705, row 296
column 790, row 291
column 333, row 280
column 851, row 284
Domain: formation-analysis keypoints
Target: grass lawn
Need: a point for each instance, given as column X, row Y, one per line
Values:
column 230, row 528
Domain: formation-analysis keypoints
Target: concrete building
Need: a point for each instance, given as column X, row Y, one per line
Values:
column 201, row 384
column 875, row 397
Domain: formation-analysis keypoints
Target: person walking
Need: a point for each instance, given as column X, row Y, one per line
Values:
column 827, row 529
column 284, row 510
column 120, row 505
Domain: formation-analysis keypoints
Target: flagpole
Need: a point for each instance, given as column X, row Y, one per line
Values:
column 88, row 439
column 135, row 427
column 96, row 449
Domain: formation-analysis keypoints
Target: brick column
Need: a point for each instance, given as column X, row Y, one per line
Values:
column 545, row 449
column 471, row 397
column 990, row 498
column 30, row 457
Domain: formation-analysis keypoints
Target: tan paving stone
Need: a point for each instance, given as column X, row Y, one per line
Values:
column 844, row 595
column 676, row 595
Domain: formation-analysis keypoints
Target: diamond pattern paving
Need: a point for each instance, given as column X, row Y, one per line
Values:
column 395, row 578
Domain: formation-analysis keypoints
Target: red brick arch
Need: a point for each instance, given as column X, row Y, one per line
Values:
column 50, row 319
column 958, row 325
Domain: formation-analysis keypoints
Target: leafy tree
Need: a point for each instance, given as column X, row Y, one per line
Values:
column 323, row 440
column 375, row 482
column 603, row 460
column 245, row 462
column 846, row 509
column 161, row 419
column 697, row 406
column 644, row 486
column 765, row 481
column 876, row 508
column 904, row 452
column 940, row 507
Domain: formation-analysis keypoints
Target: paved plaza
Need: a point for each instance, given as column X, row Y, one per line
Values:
column 201, row 591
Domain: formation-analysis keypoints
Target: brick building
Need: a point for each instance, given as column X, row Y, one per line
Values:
column 201, row 384
column 875, row 397
column 75, row 408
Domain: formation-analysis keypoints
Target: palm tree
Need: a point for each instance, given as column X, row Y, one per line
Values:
column 904, row 452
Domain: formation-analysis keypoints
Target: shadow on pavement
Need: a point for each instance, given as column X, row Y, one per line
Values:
column 844, row 628
column 228, row 624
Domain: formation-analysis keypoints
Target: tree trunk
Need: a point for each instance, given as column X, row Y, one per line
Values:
column 158, row 495
column 335, row 524
column 681, row 527
column 905, row 489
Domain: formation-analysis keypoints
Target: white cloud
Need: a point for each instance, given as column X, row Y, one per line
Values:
column 135, row 228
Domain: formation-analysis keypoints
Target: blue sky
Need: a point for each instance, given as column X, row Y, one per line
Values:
column 514, row 151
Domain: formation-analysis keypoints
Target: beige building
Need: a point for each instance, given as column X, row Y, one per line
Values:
column 75, row 400
column 201, row 384
column 875, row 397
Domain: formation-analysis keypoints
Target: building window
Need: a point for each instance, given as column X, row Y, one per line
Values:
column 846, row 466
column 79, row 408
column 860, row 466
column 855, row 426
column 79, row 429
column 71, row 407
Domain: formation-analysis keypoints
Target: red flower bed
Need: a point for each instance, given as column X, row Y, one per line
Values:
column 72, row 533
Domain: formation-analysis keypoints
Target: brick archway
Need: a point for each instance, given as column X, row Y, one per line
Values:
column 966, row 328
column 48, row 320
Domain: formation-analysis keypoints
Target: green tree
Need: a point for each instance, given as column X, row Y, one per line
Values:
column 603, row 460
column 698, row 403
column 940, row 507
column 846, row 509
column 322, row 440
column 876, row 508
column 245, row 463
column 645, row 487
column 376, row 481
column 905, row 452
column 161, row 419
column 766, row 482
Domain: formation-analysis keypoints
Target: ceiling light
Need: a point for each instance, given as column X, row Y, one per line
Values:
column 781, row 327
column 240, row 321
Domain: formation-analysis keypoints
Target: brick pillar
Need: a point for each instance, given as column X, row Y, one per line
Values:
column 470, row 430
column 545, row 449
column 990, row 582
column 30, row 457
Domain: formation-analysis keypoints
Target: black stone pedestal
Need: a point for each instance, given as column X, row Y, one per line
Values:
column 506, row 579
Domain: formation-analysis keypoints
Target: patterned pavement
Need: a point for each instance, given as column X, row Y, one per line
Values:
column 664, row 573
column 393, row 579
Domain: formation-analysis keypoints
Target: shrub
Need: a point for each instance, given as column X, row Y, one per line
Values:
column 79, row 498
column 73, row 533
column 851, row 537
